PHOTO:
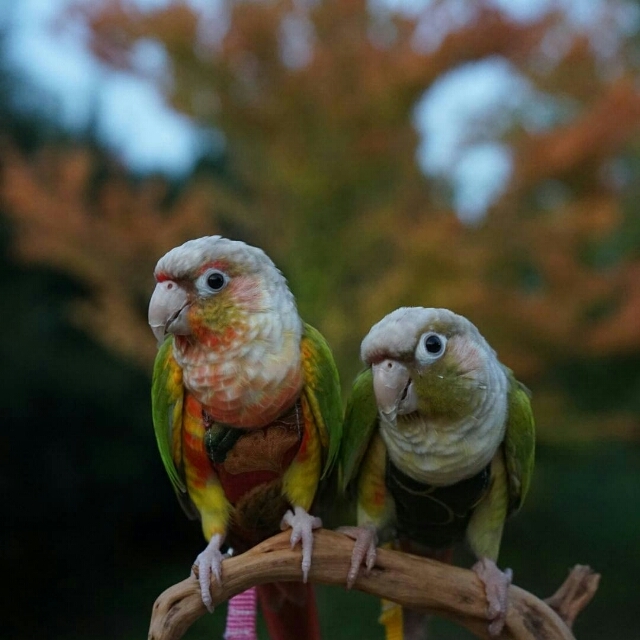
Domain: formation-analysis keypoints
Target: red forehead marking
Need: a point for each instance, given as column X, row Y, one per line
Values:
column 162, row 277
column 221, row 265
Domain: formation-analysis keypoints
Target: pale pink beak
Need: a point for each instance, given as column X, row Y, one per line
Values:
column 168, row 310
column 391, row 382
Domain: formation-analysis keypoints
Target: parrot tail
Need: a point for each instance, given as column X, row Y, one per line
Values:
column 289, row 610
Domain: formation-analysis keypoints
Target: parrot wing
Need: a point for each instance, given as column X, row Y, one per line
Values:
column 167, row 394
column 519, row 442
column 322, row 391
column 360, row 421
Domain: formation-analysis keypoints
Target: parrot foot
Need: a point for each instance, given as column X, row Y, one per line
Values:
column 496, row 585
column 209, row 562
column 302, row 525
column 365, row 547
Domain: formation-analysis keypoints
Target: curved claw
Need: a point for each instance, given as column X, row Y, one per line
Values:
column 302, row 525
column 209, row 562
column 365, row 548
column 496, row 585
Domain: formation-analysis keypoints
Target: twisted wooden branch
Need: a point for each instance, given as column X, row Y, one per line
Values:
column 419, row 583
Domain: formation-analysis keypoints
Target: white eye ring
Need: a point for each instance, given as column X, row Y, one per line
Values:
column 431, row 347
column 212, row 281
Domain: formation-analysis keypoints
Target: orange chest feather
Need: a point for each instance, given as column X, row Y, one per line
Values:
column 257, row 458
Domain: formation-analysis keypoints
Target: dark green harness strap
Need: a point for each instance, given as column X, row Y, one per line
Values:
column 434, row 516
column 219, row 440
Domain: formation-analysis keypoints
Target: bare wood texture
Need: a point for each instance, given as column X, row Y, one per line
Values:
column 575, row 593
column 440, row 589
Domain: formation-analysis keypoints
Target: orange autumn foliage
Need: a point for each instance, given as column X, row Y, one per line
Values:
column 321, row 155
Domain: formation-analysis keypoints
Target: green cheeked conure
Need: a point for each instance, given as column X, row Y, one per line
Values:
column 438, row 444
column 247, row 415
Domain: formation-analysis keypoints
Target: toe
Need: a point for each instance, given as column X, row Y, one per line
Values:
column 364, row 550
column 302, row 525
column 209, row 563
column 204, row 578
column 496, row 584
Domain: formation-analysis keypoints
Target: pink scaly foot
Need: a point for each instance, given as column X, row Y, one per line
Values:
column 366, row 539
column 496, row 585
column 302, row 525
column 209, row 562
column 241, row 616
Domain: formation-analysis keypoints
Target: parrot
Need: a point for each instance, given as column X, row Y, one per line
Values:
column 247, row 412
column 437, row 447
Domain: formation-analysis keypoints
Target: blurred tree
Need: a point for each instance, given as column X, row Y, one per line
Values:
column 78, row 211
column 79, row 464
column 315, row 103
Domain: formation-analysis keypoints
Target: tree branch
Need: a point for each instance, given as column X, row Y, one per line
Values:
column 440, row 589
column 575, row 593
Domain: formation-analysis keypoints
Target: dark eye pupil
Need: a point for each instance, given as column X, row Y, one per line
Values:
column 215, row 281
column 433, row 344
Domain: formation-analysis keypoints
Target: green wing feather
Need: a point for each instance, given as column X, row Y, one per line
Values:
column 360, row 421
column 519, row 442
column 322, row 390
column 167, row 394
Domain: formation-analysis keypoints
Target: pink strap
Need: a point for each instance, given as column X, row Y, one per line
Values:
column 241, row 616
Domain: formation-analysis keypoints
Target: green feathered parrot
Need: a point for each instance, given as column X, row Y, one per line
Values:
column 438, row 444
column 246, row 409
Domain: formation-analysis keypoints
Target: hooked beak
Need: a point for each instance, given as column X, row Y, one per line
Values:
column 393, row 388
column 168, row 310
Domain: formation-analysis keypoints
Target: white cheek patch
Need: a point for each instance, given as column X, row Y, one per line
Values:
column 249, row 292
column 468, row 354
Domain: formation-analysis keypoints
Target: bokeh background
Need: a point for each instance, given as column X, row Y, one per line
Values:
column 482, row 156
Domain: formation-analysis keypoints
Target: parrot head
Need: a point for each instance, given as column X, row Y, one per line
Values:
column 210, row 288
column 236, row 330
column 428, row 362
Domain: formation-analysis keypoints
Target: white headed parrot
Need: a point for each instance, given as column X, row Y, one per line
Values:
column 438, row 444
column 246, row 410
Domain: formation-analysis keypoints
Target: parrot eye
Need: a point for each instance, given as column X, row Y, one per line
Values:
column 433, row 344
column 430, row 347
column 215, row 281
column 212, row 281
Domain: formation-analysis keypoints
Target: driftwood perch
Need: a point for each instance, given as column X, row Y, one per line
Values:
column 442, row 590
